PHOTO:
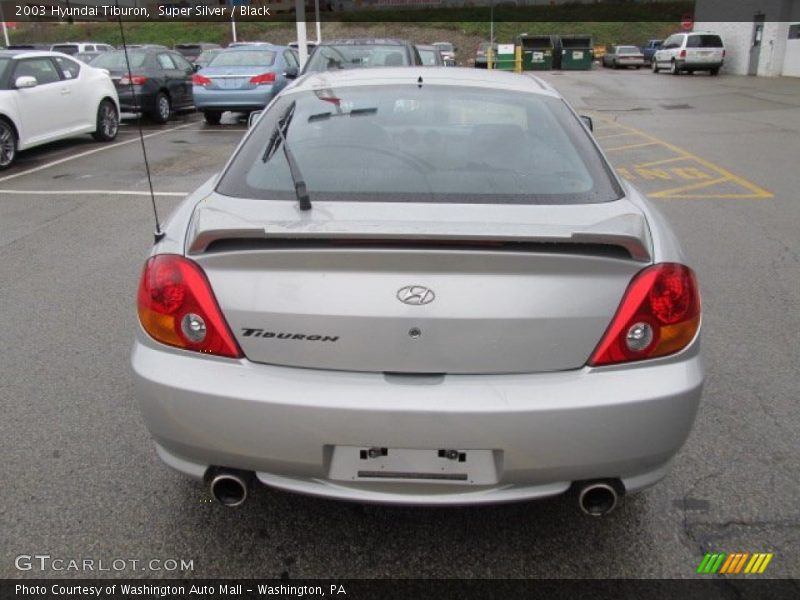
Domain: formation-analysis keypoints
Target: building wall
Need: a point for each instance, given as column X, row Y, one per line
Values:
column 737, row 33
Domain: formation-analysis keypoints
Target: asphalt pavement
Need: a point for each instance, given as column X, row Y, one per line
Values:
column 81, row 478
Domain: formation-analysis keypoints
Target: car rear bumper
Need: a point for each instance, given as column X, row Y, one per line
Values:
column 631, row 62
column 699, row 65
column 143, row 100
column 546, row 430
column 255, row 99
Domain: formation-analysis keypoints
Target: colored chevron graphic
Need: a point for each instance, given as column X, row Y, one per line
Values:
column 734, row 563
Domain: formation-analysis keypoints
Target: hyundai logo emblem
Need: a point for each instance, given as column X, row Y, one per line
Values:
column 416, row 295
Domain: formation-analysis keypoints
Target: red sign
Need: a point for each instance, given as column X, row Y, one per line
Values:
column 687, row 22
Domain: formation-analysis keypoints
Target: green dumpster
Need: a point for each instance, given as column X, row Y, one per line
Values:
column 505, row 58
column 537, row 51
column 577, row 52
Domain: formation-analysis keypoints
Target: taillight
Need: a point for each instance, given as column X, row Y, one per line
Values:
column 200, row 79
column 659, row 315
column 177, row 307
column 723, row 53
column 263, row 78
column 133, row 79
column 682, row 54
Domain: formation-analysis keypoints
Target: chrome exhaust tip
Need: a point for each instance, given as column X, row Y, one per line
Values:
column 229, row 488
column 598, row 499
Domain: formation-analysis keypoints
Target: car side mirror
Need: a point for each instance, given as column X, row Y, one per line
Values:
column 290, row 73
column 195, row 68
column 588, row 122
column 251, row 120
column 26, row 81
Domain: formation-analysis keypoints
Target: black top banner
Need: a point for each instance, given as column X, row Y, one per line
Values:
column 667, row 11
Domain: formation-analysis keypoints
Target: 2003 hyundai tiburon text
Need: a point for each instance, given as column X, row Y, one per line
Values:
column 419, row 286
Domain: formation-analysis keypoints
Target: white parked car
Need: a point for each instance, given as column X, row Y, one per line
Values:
column 48, row 96
column 690, row 52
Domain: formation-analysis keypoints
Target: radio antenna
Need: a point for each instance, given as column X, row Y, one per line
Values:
column 159, row 234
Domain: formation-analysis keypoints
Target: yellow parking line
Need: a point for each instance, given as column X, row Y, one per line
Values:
column 686, row 188
column 757, row 191
column 611, row 135
column 629, row 146
column 653, row 163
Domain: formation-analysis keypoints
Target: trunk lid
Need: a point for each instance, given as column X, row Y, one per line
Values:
column 418, row 288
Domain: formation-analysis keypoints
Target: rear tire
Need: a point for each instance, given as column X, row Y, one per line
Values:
column 8, row 145
column 714, row 71
column 107, row 122
column 163, row 108
column 673, row 68
column 212, row 117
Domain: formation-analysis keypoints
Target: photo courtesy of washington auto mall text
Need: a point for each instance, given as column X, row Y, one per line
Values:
column 178, row 590
column 399, row 299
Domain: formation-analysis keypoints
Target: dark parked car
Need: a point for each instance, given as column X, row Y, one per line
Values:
column 480, row 54
column 649, row 49
column 430, row 55
column 362, row 53
column 191, row 51
column 160, row 81
column 617, row 57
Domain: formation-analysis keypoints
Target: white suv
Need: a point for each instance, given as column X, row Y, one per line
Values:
column 696, row 51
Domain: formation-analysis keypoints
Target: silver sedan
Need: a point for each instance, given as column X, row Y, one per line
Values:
column 624, row 56
column 419, row 286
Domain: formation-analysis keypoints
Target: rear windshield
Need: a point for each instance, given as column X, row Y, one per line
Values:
column 628, row 50
column 207, row 55
column 243, row 58
column 429, row 144
column 444, row 47
column 704, row 41
column 66, row 48
column 116, row 60
column 357, row 57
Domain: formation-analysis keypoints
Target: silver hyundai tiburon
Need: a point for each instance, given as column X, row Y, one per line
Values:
column 419, row 286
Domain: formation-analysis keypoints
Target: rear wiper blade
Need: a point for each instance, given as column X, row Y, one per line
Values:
column 282, row 127
column 356, row 112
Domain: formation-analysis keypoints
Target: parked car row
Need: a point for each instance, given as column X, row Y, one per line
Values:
column 684, row 52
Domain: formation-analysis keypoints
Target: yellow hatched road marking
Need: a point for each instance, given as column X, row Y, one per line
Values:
column 629, row 146
column 653, row 163
column 726, row 175
column 686, row 188
column 611, row 135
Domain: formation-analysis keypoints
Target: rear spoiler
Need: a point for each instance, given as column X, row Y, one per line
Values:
column 628, row 231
